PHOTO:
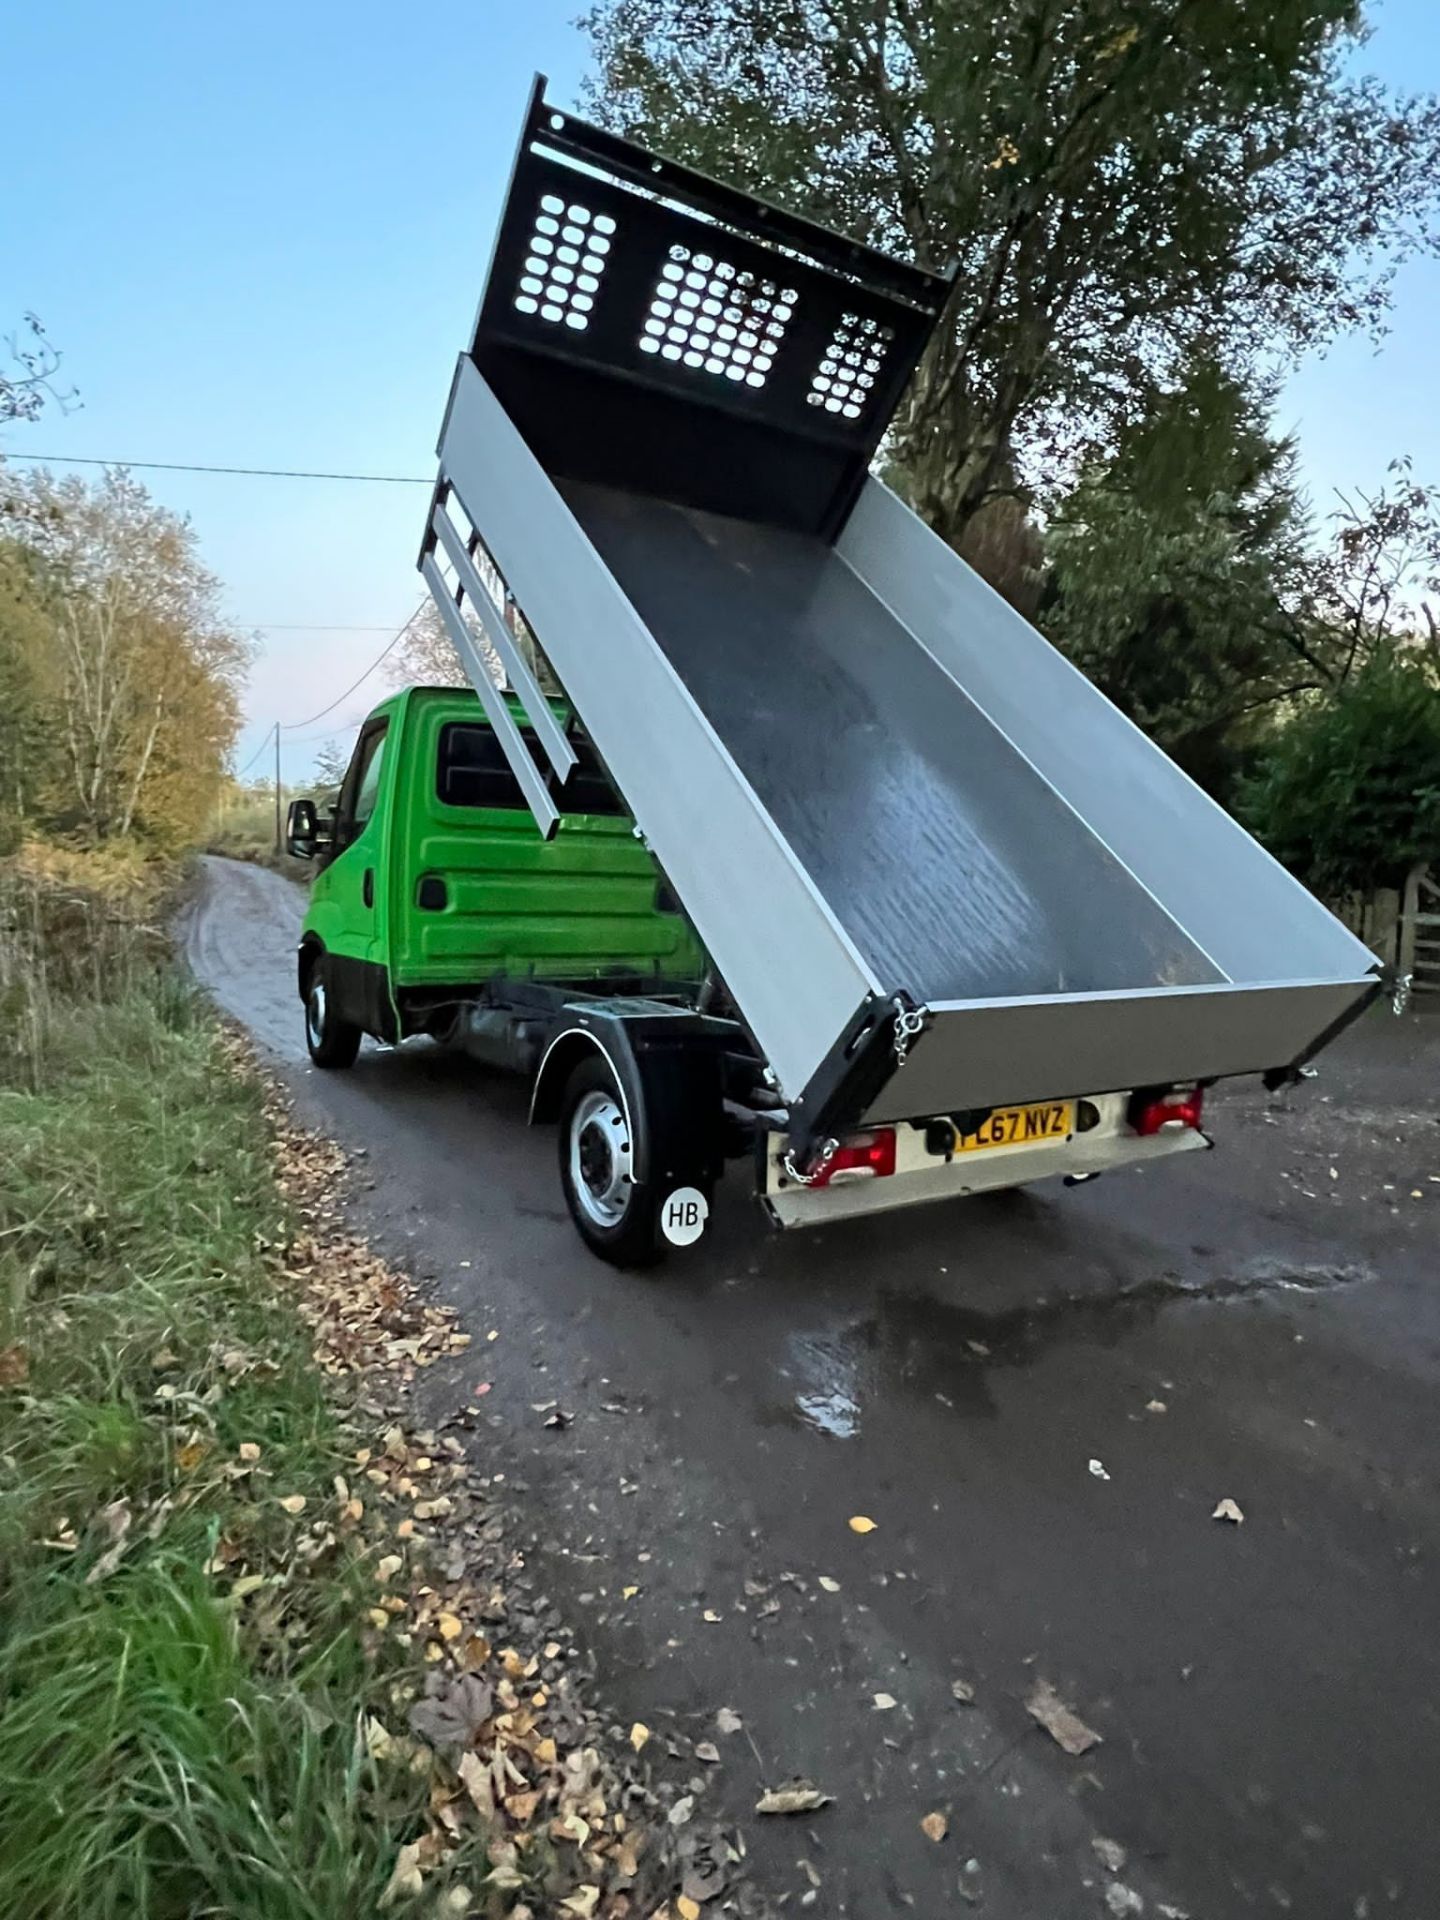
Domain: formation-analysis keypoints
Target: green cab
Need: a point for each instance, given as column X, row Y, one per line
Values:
column 434, row 882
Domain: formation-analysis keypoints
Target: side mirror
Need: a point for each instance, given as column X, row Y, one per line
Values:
column 302, row 830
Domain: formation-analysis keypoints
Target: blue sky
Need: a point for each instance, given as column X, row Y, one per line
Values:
column 259, row 235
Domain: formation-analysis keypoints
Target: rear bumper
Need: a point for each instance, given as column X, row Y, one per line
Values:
column 920, row 1177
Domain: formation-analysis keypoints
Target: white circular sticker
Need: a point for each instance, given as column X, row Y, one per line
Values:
column 683, row 1216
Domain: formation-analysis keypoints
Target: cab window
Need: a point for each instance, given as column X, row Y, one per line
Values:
column 362, row 783
column 471, row 771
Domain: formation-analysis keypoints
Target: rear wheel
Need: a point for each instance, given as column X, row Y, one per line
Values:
column 332, row 1042
column 614, row 1217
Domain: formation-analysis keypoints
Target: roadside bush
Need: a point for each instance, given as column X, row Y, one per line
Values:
column 1349, row 795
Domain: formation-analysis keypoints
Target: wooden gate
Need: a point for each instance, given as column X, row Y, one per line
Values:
column 1419, row 931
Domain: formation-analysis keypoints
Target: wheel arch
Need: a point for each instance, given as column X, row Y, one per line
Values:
column 559, row 1061
column 306, row 954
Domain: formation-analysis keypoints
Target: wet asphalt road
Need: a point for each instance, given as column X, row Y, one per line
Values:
column 1268, row 1694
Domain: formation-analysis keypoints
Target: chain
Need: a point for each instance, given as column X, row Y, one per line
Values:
column 1400, row 998
column 827, row 1153
column 908, row 1026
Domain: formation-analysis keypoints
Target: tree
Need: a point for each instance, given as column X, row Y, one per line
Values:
column 1175, row 569
column 30, row 384
column 144, row 670
column 27, row 686
column 426, row 657
column 1121, row 185
column 1349, row 797
column 332, row 762
column 1383, row 556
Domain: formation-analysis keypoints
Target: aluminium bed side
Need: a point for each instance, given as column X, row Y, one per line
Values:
column 874, row 787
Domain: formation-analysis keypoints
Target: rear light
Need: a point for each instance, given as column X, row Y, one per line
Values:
column 1169, row 1112
column 864, row 1156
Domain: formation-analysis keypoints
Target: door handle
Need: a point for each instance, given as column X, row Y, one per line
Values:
column 367, row 887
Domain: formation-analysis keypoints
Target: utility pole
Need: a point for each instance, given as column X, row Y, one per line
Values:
column 279, row 832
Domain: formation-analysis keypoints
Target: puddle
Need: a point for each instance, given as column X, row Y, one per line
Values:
column 833, row 1413
column 827, row 1367
column 945, row 1350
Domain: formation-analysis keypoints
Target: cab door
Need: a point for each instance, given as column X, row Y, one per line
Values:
column 348, row 897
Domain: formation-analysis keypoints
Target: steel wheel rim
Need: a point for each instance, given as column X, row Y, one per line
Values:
column 315, row 1014
column 601, row 1170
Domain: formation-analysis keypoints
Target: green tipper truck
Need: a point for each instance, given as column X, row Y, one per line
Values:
column 824, row 856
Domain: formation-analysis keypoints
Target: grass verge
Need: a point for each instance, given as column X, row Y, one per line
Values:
column 187, row 1684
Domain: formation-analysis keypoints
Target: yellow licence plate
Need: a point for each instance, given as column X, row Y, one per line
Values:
column 1019, row 1126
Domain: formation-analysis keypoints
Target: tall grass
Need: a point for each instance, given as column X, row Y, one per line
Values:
column 72, row 935
column 173, row 1741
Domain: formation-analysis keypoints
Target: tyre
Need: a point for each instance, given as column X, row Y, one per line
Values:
column 615, row 1218
column 332, row 1042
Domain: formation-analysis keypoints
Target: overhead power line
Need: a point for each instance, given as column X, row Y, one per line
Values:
column 294, row 726
column 290, row 626
column 190, row 466
column 269, row 736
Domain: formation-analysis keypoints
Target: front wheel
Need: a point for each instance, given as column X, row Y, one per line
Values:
column 332, row 1042
column 614, row 1217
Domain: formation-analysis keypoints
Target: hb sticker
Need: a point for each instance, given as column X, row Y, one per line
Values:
column 683, row 1216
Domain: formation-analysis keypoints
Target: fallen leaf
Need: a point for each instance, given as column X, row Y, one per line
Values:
column 188, row 1457
column 584, row 1900
column 249, row 1452
column 1097, row 1467
column 963, row 1692
column 1227, row 1510
column 687, row 1908
column 482, row 1387
column 639, row 1734
column 476, row 1780
column 830, row 1586
column 1109, row 1853
column 628, row 1593
column 683, row 1808
column 293, row 1503
column 884, row 1702
column 450, row 1626
column 728, row 1721
column 115, row 1521
column 860, row 1523
column 796, row 1796
column 711, row 1615
column 14, row 1366
column 521, row 1806
column 1155, row 1406
column 388, row 1567
column 935, row 1827
column 378, row 1618
column 1065, row 1728
column 454, row 1710
column 707, row 1751
column 407, row 1879
column 494, row 1334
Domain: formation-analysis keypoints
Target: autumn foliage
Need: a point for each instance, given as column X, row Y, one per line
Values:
column 119, row 675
